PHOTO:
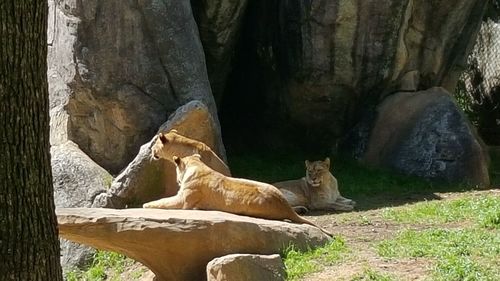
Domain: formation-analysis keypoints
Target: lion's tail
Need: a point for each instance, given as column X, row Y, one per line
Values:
column 300, row 219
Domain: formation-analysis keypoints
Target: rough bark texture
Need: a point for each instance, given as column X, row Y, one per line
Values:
column 178, row 244
column 29, row 247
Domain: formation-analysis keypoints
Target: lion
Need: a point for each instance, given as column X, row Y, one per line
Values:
column 318, row 190
column 203, row 188
column 170, row 143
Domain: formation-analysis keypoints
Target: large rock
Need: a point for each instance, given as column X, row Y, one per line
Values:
column 325, row 61
column 77, row 180
column 246, row 267
column 146, row 179
column 116, row 69
column 219, row 24
column 425, row 134
column 480, row 85
column 178, row 244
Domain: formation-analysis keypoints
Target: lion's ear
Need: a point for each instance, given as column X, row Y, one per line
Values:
column 197, row 155
column 174, row 131
column 177, row 160
column 327, row 161
column 163, row 138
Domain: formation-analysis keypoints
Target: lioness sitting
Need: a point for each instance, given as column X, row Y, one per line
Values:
column 318, row 190
column 205, row 189
column 170, row 143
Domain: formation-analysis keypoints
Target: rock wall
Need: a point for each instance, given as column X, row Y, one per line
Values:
column 117, row 69
column 326, row 61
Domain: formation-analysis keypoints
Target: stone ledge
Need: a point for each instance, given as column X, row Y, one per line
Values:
column 178, row 244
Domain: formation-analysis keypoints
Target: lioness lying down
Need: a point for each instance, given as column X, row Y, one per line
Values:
column 172, row 143
column 205, row 189
column 318, row 190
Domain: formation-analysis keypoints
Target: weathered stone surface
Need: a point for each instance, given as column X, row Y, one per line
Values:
column 425, row 134
column 219, row 24
column 480, row 86
column 178, row 244
column 325, row 61
column 77, row 180
column 146, row 179
column 246, row 267
column 116, row 69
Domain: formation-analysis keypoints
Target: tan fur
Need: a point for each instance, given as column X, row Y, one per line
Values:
column 205, row 189
column 172, row 143
column 318, row 190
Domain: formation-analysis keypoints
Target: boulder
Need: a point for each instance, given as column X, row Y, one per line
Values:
column 425, row 134
column 117, row 69
column 246, row 267
column 77, row 180
column 146, row 179
column 219, row 24
column 324, row 62
column 178, row 244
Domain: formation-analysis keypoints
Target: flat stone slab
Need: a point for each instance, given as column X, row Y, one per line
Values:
column 178, row 244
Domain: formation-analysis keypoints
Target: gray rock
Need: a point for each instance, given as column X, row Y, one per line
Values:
column 117, row 69
column 425, row 134
column 324, row 62
column 219, row 24
column 246, row 267
column 146, row 179
column 178, row 244
column 77, row 180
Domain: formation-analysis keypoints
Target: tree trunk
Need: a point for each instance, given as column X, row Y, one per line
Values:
column 29, row 245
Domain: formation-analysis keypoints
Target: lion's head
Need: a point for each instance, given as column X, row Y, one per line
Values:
column 172, row 143
column 317, row 171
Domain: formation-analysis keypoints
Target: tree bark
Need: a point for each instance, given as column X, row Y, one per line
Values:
column 29, row 245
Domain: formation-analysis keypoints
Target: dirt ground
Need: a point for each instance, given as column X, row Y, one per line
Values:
column 362, row 230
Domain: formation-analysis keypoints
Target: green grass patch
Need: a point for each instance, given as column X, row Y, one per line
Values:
column 298, row 263
column 483, row 210
column 355, row 180
column 105, row 266
column 459, row 254
column 372, row 275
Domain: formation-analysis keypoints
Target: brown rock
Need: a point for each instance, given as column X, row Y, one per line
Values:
column 324, row 62
column 116, row 69
column 146, row 179
column 425, row 134
column 178, row 244
column 245, row 267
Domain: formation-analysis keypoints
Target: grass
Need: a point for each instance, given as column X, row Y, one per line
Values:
column 481, row 210
column 105, row 266
column 356, row 181
column 372, row 275
column 298, row 263
column 459, row 254
column 470, row 253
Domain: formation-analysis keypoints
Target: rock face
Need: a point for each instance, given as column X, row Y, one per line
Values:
column 146, row 179
column 326, row 60
column 219, row 24
column 178, row 244
column 117, row 69
column 425, row 134
column 77, row 180
column 246, row 268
